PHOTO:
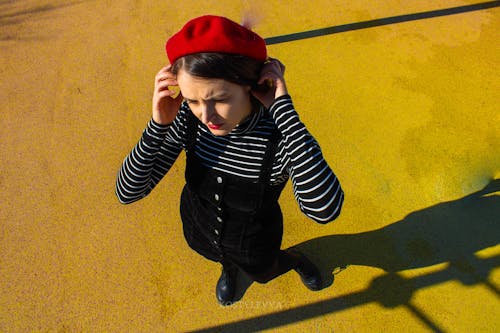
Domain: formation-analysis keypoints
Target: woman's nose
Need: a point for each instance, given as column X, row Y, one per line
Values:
column 207, row 112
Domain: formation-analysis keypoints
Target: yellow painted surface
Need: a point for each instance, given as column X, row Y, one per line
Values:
column 406, row 114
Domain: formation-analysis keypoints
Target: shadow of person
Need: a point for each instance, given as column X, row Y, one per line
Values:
column 450, row 232
column 447, row 232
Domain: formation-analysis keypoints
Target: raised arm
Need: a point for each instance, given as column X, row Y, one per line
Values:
column 159, row 146
column 316, row 188
column 146, row 164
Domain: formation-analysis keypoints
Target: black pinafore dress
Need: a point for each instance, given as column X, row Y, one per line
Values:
column 230, row 219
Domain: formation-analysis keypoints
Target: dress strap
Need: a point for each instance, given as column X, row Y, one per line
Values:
column 267, row 166
column 192, row 129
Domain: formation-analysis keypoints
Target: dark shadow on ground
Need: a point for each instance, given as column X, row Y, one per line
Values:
column 447, row 232
column 381, row 22
column 450, row 232
column 13, row 14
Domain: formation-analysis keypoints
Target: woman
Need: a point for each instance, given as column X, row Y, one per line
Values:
column 243, row 140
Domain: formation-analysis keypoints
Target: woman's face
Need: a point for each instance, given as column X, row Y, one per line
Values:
column 220, row 105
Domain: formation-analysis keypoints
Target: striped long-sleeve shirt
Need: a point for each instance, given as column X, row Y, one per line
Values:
column 241, row 152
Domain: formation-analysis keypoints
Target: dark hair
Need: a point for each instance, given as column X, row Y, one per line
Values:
column 234, row 68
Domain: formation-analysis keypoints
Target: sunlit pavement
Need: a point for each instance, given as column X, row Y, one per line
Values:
column 401, row 96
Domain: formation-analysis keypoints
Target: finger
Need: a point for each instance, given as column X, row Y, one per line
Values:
column 269, row 73
column 278, row 65
column 168, row 81
column 272, row 61
column 165, row 76
column 282, row 68
column 165, row 81
column 274, row 67
column 165, row 93
column 165, row 84
column 166, row 87
column 164, row 70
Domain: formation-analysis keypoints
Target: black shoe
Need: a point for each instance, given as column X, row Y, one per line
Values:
column 309, row 273
column 226, row 286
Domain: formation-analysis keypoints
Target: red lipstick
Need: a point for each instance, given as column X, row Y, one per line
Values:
column 214, row 126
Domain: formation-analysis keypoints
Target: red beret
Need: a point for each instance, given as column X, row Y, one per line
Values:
column 215, row 34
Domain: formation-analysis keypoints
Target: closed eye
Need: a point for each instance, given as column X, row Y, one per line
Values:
column 190, row 101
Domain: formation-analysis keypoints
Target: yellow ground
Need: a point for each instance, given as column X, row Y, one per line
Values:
column 407, row 115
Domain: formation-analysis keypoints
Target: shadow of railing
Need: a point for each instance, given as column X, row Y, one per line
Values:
column 389, row 290
column 380, row 22
column 447, row 233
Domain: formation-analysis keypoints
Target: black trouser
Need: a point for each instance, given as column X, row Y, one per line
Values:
column 284, row 262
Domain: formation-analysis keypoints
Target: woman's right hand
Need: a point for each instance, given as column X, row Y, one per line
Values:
column 165, row 105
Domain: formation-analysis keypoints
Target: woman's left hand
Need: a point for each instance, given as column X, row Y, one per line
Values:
column 271, row 83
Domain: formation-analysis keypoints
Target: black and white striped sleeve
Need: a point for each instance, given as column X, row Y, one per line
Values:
column 316, row 188
column 149, row 161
